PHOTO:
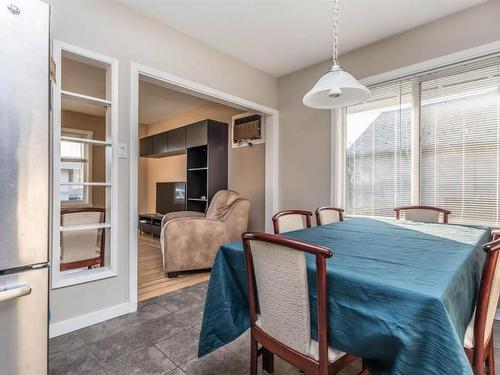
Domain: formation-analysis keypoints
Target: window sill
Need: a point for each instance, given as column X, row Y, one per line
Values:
column 80, row 277
column 246, row 144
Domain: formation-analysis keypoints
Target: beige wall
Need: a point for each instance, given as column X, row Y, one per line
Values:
column 246, row 165
column 92, row 84
column 120, row 33
column 97, row 125
column 305, row 132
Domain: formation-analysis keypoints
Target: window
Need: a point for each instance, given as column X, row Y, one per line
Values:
column 457, row 145
column 459, row 160
column 379, row 152
column 75, row 161
column 247, row 129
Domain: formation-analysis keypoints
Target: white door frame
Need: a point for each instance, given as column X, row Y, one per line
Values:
column 271, row 157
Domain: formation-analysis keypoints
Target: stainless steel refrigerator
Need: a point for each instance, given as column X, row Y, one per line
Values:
column 24, row 186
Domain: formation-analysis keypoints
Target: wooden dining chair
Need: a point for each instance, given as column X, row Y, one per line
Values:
column 278, row 300
column 478, row 340
column 425, row 214
column 329, row 215
column 288, row 220
column 82, row 248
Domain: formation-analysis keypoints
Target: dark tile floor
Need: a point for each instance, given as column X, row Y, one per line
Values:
column 160, row 338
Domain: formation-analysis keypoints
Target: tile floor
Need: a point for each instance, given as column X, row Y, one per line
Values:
column 160, row 338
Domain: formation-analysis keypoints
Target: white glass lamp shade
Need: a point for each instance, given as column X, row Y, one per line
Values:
column 336, row 89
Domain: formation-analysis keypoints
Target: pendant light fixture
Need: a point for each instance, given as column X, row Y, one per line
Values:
column 336, row 88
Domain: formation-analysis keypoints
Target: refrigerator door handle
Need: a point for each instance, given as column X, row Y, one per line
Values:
column 16, row 292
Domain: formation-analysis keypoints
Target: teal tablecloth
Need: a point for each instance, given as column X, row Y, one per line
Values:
column 401, row 294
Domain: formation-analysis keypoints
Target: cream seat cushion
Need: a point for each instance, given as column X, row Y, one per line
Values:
column 490, row 314
column 80, row 245
column 333, row 354
column 329, row 216
column 469, row 333
column 291, row 222
column 422, row 215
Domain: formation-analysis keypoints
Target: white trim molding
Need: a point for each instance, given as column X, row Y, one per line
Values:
column 82, row 321
column 181, row 84
column 438, row 62
column 64, row 279
column 337, row 159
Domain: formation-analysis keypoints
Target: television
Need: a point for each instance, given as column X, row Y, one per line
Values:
column 170, row 197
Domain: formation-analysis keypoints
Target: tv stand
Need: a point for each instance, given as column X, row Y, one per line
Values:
column 150, row 224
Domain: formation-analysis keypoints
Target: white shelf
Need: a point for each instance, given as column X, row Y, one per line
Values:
column 85, row 98
column 86, row 184
column 86, row 141
column 71, row 228
column 197, row 199
column 198, row 169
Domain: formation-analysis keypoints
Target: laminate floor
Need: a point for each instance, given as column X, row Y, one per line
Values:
column 152, row 281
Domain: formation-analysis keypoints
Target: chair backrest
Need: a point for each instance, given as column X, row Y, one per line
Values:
column 329, row 215
column 424, row 214
column 221, row 203
column 82, row 244
column 289, row 220
column 236, row 219
column 489, row 293
column 277, row 283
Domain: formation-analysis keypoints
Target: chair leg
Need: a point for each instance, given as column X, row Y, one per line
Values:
column 253, row 356
column 364, row 370
column 268, row 361
column 490, row 361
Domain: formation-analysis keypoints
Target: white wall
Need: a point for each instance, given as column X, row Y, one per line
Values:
column 111, row 29
column 305, row 135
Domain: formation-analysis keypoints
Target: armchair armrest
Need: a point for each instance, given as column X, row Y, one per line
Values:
column 180, row 215
column 191, row 243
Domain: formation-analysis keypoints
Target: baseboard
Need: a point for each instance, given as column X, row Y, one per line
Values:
column 82, row 321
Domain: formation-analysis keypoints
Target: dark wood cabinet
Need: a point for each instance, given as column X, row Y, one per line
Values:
column 150, row 224
column 172, row 142
column 160, row 144
column 206, row 145
column 146, row 146
column 217, row 133
column 206, row 162
column 196, row 134
column 176, row 141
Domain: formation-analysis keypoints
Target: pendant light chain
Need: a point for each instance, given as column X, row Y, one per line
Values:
column 336, row 88
column 335, row 33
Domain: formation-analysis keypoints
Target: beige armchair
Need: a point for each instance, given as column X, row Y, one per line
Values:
column 189, row 240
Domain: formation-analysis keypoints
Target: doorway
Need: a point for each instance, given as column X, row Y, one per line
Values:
column 187, row 93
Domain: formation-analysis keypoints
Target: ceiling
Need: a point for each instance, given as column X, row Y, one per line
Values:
column 282, row 36
column 157, row 102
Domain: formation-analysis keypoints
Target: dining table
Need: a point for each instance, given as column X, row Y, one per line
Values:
column 400, row 293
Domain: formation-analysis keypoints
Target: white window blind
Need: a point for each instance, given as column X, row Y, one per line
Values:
column 460, row 143
column 378, row 159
